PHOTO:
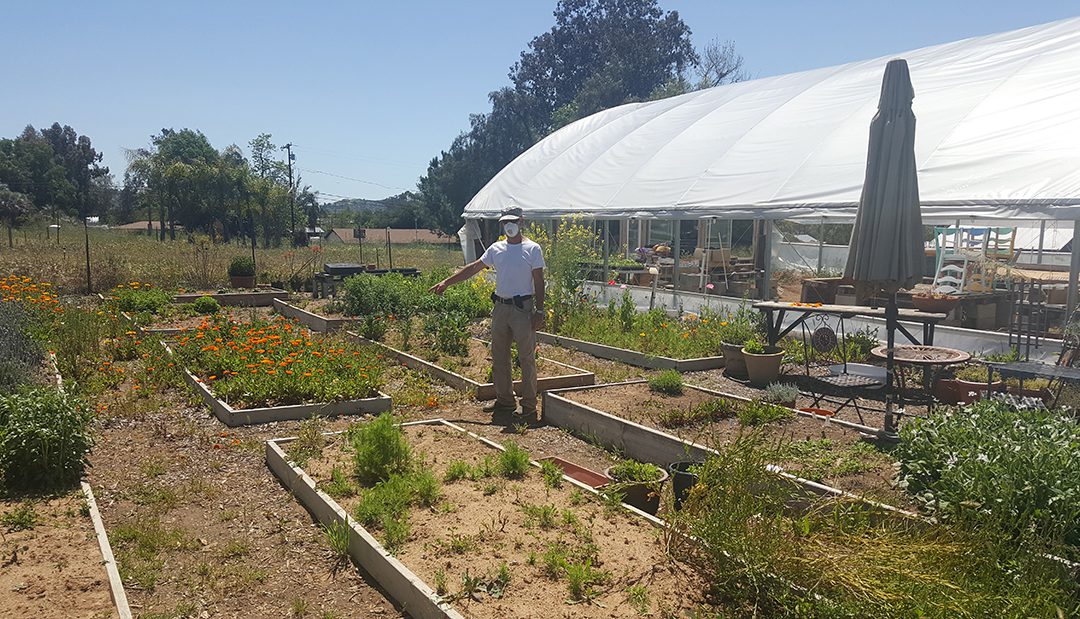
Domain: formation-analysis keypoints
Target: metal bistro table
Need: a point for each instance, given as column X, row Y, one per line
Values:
column 926, row 358
column 775, row 312
column 1032, row 369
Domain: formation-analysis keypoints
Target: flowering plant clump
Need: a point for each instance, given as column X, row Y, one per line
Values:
column 31, row 294
column 275, row 363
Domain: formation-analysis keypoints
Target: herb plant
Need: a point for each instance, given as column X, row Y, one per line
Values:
column 668, row 382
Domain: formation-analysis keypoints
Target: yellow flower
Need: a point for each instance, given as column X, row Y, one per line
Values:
column 642, row 334
column 723, row 323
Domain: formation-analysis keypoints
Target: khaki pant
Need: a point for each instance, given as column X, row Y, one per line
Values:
column 509, row 324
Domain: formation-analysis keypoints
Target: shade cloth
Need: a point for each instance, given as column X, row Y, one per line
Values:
column 1000, row 115
column 886, row 240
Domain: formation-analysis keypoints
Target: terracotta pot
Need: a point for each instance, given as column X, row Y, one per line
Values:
column 820, row 412
column 957, row 391
column 242, row 281
column 644, row 496
column 935, row 305
column 734, row 363
column 763, row 369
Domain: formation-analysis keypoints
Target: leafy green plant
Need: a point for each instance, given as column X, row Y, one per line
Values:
column 990, row 462
column 143, row 298
column 513, row 461
column 22, row 518
column 339, row 486
column 553, row 475
column 709, row 410
column 754, row 346
column 757, row 413
column 373, row 328
column 242, row 266
column 44, row 438
column 309, row 441
column 740, row 326
column 543, row 516
column 337, row 536
column 379, row 449
column 456, row 470
column 634, row 471
column 817, row 459
column 668, row 382
column 206, row 305
column 581, row 580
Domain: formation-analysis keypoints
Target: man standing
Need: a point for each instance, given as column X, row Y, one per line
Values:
column 518, row 311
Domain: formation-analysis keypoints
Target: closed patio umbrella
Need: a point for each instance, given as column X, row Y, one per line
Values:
column 886, row 248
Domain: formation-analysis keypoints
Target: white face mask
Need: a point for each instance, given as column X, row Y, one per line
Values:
column 511, row 229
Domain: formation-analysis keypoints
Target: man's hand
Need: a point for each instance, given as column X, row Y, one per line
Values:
column 439, row 288
column 538, row 320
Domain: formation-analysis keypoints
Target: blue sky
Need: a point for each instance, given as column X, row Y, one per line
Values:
column 373, row 90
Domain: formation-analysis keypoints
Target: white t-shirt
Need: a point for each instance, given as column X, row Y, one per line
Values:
column 514, row 264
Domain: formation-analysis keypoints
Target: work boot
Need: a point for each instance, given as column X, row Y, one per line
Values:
column 500, row 408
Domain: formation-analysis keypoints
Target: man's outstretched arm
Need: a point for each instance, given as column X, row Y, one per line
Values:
column 461, row 275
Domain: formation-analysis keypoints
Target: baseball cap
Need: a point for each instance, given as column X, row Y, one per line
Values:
column 510, row 213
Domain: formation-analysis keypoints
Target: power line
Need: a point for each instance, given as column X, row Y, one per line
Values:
column 358, row 180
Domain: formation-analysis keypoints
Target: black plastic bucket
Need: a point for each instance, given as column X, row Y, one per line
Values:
column 682, row 480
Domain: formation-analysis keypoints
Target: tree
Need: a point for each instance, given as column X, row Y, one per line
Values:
column 13, row 207
column 720, row 64
column 600, row 53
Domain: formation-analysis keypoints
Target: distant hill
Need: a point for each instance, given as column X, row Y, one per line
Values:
column 360, row 204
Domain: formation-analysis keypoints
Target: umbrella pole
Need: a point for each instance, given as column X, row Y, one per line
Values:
column 892, row 314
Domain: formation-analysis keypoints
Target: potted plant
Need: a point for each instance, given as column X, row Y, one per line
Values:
column 734, row 333
column 964, row 386
column 242, row 272
column 684, row 475
column 935, row 302
column 783, row 394
column 638, row 482
column 762, row 362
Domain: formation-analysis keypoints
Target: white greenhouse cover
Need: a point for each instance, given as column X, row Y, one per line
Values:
column 998, row 136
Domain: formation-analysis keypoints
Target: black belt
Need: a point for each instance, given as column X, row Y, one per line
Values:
column 518, row 300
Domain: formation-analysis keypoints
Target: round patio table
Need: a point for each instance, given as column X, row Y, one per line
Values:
column 926, row 358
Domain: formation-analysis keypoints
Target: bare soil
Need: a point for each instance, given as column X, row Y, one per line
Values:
column 637, row 403
column 475, row 365
column 200, row 526
column 481, row 525
column 327, row 308
column 55, row 568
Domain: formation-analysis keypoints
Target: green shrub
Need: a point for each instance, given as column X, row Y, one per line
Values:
column 634, row 471
column 1018, row 469
column 144, row 299
column 380, row 450
column 21, row 354
column 781, row 393
column 760, row 413
column 44, row 439
column 206, row 305
column 553, row 475
column 514, row 461
column 242, row 266
column 668, row 382
column 846, row 560
column 754, row 346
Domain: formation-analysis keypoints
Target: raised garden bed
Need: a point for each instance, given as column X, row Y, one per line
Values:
column 174, row 321
column 470, row 372
column 450, row 561
column 311, row 320
column 262, row 297
column 275, row 370
column 631, row 357
column 248, row 416
column 663, row 429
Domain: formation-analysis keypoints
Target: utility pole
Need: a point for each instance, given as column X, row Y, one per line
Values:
column 292, row 192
